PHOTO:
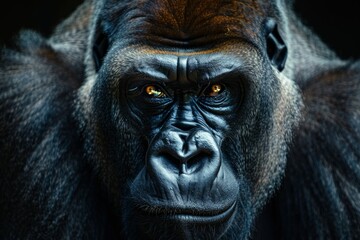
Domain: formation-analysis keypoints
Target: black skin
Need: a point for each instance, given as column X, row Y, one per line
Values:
column 178, row 120
column 186, row 178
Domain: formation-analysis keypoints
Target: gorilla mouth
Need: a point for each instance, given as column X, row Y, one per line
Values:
column 189, row 215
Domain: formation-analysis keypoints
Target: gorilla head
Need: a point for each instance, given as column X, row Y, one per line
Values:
column 187, row 116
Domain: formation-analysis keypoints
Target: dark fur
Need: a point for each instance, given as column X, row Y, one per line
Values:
column 51, row 187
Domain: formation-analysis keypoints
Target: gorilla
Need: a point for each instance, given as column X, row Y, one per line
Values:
column 177, row 119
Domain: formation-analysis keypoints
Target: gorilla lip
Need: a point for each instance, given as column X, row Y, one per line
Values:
column 190, row 215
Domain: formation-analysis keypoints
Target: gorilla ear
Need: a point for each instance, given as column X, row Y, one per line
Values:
column 100, row 48
column 276, row 48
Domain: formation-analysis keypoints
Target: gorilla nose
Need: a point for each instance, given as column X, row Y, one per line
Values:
column 184, row 150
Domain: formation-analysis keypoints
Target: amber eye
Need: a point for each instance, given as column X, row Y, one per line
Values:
column 214, row 90
column 154, row 91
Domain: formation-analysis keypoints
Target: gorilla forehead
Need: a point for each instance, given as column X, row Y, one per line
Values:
column 194, row 22
column 198, row 67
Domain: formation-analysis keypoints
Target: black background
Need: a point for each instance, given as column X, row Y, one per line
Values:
column 336, row 22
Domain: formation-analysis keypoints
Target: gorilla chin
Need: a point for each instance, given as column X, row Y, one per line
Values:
column 185, row 210
column 181, row 223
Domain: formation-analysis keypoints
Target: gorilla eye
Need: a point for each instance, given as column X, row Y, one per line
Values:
column 154, row 91
column 214, row 90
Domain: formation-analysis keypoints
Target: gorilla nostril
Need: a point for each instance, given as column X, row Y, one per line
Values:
column 179, row 152
column 196, row 162
column 172, row 162
column 184, row 163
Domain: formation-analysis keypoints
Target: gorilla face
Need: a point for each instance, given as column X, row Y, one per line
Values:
column 185, row 139
column 186, row 183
